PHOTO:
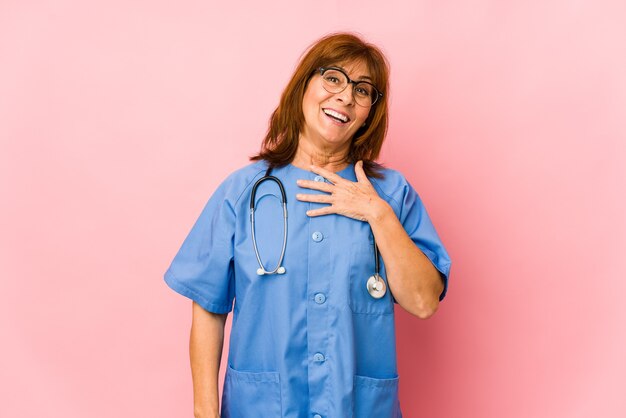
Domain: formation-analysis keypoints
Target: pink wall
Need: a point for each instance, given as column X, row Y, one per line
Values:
column 118, row 119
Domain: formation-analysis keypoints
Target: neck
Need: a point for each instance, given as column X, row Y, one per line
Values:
column 332, row 160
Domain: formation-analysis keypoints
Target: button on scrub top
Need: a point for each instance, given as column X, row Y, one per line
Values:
column 311, row 342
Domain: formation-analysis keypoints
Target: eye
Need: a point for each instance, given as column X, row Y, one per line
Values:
column 363, row 90
column 334, row 77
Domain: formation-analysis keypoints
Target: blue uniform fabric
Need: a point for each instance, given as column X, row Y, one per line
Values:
column 311, row 343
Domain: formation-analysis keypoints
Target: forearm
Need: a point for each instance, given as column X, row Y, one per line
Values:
column 415, row 283
column 205, row 353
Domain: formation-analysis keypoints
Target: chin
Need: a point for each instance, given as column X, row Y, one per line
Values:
column 336, row 141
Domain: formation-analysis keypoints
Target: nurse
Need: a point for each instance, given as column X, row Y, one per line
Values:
column 312, row 342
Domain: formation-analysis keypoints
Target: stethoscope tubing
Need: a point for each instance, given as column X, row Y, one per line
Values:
column 376, row 285
column 278, row 269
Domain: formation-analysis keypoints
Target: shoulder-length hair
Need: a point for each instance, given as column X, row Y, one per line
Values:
column 281, row 141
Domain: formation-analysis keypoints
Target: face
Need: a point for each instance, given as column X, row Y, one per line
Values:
column 332, row 119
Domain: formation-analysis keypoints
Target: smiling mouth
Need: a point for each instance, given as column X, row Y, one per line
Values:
column 339, row 117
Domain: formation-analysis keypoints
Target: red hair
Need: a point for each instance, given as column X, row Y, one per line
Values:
column 281, row 141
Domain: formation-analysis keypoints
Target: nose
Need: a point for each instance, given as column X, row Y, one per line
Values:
column 346, row 96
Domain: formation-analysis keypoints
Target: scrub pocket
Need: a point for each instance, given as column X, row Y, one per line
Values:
column 376, row 398
column 248, row 394
column 362, row 266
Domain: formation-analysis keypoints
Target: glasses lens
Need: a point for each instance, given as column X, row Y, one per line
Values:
column 365, row 94
column 334, row 81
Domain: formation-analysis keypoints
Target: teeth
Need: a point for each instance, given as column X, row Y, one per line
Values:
column 337, row 115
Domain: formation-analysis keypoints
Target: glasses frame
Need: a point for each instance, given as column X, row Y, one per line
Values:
column 377, row 94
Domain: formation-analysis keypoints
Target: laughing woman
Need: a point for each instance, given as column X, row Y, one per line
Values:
column 314, row 242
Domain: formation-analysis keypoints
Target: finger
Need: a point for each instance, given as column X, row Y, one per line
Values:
column 317, row 198
column 360, row 173
column 316, row 185
column 326, row 210
column 329, row 175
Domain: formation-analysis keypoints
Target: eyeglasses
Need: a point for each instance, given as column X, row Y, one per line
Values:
column 335, row 80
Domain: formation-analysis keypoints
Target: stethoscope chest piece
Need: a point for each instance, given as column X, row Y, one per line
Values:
column 376, row 286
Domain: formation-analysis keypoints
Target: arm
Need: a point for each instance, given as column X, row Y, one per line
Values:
column 205, row 352
column 415, row 283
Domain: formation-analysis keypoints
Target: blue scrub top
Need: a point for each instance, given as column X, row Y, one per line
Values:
column 310, row 343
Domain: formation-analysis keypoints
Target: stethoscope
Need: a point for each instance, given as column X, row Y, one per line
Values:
column 375, row 285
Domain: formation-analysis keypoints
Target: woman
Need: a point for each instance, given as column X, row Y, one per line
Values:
column 313, row 332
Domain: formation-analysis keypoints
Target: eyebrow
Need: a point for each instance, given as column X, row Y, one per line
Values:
column 363, row 77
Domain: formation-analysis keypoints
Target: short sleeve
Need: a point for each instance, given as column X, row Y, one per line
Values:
column 202, row 270
column 419, row 227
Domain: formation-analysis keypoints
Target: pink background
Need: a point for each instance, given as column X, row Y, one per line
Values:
column 119, row 118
